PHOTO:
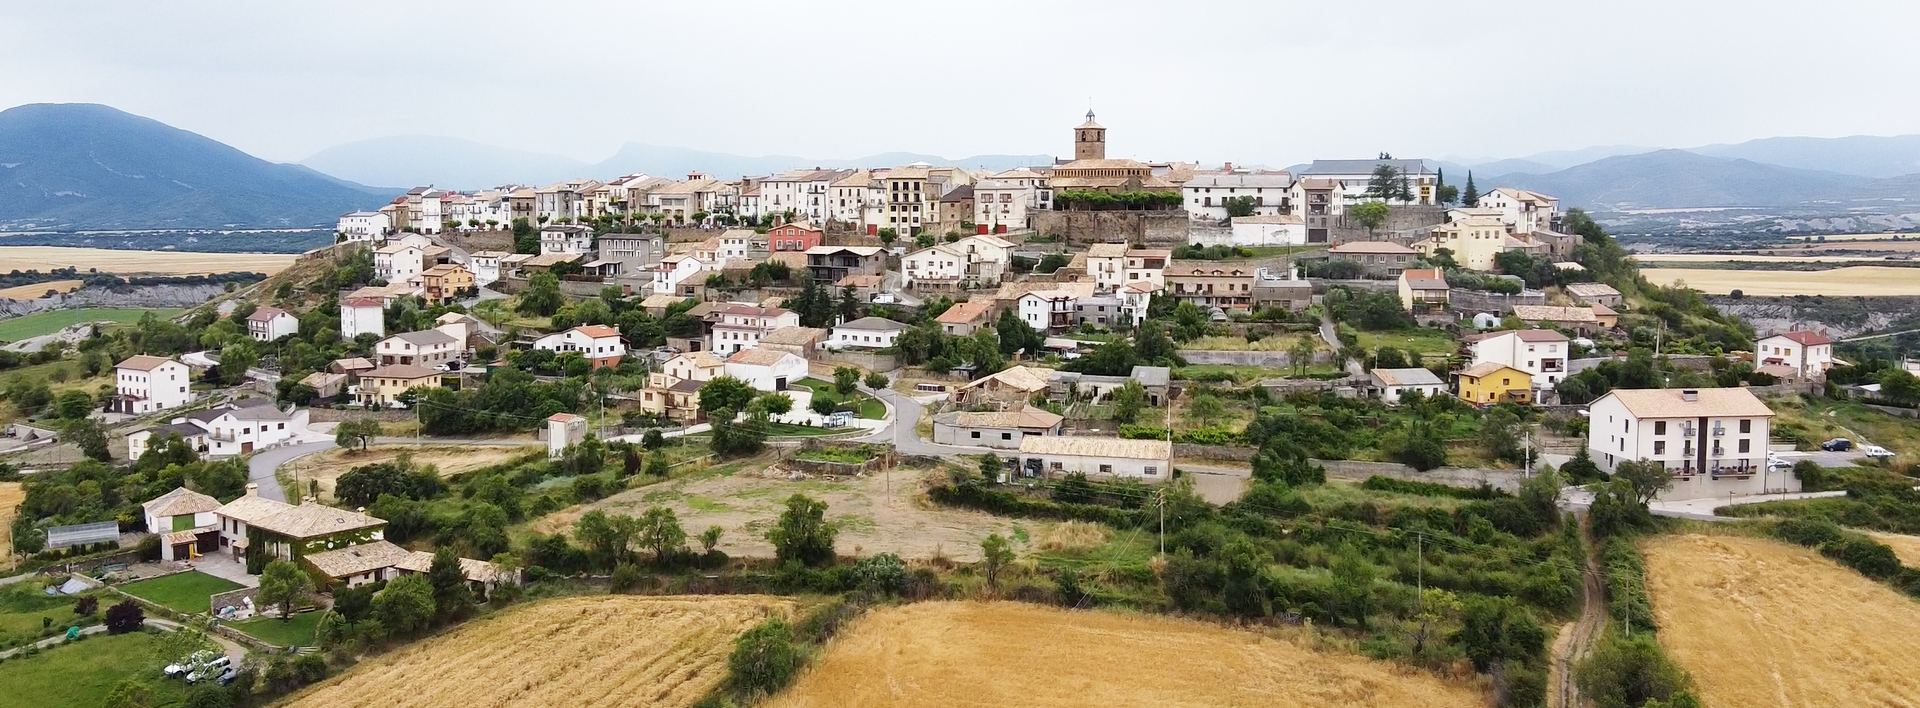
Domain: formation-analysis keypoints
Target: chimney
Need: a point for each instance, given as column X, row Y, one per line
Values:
column 1228, row 169
column 1690, row 395
column 253, row 490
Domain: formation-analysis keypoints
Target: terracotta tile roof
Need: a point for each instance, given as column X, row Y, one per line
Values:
column 1107, row 250
column 357, row 560
column 1806, row 338
column 143, row 362
column 310, row 520
column 758, row 357
column 563, row 418
column 965, row 312
column 1485, row 368
column 1550, row 313
column 477, row 571
column 1708, row 403
column 179, row 502
column 361, row 302
column 1023, row 378
column 1591, row 290
column 597, row 331
column 1023, row 418
column 251, row 508
column 265, row 313
column 1095, row 447
column 794, row 336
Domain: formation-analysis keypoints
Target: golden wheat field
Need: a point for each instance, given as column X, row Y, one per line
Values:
column 1906, row 547
column 1849, row 281
column 39, row 290
column 159, row 262
column 1012, row 654
column 612, row 651
column 1764, row 623
column 10, row 497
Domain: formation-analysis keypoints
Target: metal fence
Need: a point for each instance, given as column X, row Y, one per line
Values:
column 77, row 534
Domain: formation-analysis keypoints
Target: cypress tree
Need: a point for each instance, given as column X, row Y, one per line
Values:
column 1471, row 197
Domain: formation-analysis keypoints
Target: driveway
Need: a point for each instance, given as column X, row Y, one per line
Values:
column 906, row 439
column 1579, row 499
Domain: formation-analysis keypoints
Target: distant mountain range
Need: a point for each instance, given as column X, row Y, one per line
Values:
column 452, row 163
column 87, row 166
column 1667, row 179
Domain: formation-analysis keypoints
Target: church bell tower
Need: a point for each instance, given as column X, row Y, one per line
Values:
column 1089, row 140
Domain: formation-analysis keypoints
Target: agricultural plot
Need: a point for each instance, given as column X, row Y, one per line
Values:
column 1764, row 623
column 80, row 675
column 1007, row 654
column 605, row 652
column 326, row 467
column 10, row 497
column 36, row 291
column 1850, row 281
column 156, row 262
column 43, row 323
column 186, row 593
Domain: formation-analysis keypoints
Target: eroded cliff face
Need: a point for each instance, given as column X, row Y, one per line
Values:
column 1837, row 316
column 132, row 296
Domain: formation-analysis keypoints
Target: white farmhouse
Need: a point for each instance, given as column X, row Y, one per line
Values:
column 1808, row 354
column 1394, row 383
column 568, row 239
column 144, row 384
column 600, row 344
column 1714, row 440
column 185, row 521
column 767, row 369
column 267, row 324
column 1206, row 196
column 674, row 271
column 1098, row 458
column 399, row 262
column 425, row 348
column 1047, row 310
column 247, row 426
column 997, row 429
column 362, row 226
column 485, row 266
column 866, row 333
column 362, row 315
column 1542, row 353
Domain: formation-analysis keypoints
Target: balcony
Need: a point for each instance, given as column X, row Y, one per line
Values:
column 1719, row 431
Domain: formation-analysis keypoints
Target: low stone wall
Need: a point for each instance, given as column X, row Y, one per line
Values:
column 331, row 415
column 1467, row 477
column 871, row 361
column 1213, row 452
column 230, row 598
column 1269, row 359
column 1483, row 301
column 1157, row 228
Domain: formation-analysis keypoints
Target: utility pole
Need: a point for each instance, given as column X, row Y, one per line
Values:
column 1420, row 570
column 1163, row 521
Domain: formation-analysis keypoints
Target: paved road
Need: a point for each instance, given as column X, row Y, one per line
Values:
column 1330, row 333
column 1579, row 499
column 906, row 439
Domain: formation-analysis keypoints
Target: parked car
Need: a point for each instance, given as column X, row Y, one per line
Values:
column 1776, row 462
column 183, row 666
column 1837, row 445
column 212, row 669
column 227, row 676
column 1876, row 451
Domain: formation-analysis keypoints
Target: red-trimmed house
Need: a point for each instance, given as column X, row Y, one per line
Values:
column 797, row 237
column 600, row 344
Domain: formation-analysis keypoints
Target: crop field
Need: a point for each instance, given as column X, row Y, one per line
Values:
column 1850, row 281
column 36, row 291
column 1906, row 547
column 326, row 467
column 42, row 323
column 1751, row 257
column 155, row 262
column 1764, row 623
column 599, row 652
column 10, row 497
column 1009, row 654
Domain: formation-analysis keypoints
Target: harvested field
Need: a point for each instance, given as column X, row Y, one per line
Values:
column 876, row 514
column 1764, row 623
column 449, row 459
column 10, row 497
column 591, row 652
column 36, row 291
column 1010, row 654
column 1906, row 547
column 156, row 262
column 1750, row 257
column 1850, row 281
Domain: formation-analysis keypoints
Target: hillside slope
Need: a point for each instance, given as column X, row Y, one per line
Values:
column 88, row 166
column 1670, row 179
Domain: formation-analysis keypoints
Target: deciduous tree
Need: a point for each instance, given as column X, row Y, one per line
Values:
column 284, row 584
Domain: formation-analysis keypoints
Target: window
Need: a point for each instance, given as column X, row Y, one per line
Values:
column 1659, row 447
column 1745, row 444
column 976, row 435
column 1006, row 436
column 1056, row 467
column 1746, row 426
column 1659, row 428
column 1106, row 469
column 1152, row 471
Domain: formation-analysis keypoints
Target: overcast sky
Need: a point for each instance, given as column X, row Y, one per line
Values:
column 1253, row 82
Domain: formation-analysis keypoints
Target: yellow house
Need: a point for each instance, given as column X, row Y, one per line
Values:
column 445, row 282
column 1490, row 382
column 674, row 391
column 1475, row 240
column 384, row 385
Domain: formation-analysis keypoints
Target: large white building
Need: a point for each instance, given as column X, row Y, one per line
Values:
column 399, row 262
column 1009, row 199
column 766, row 369
column 361, row 315
column 600, row 344
column 144, row 384
column 1542, row 353
column 270, row 323
column 737, row 327
column 1524, row 211
column 577, row 240
column 1206, row 196
column 1098, row 458
column 485, row 266
column 1809, row 354
column 866, row 333
column 365, row 226
column 675, row 270
column 1714, row 440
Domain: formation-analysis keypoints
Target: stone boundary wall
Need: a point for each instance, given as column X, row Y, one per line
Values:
column 331, row 415
column 1156, row 228
column 1483, row 301
column 231, row 598
column 1269, row 359
column 870, row 361
column 1466, row 477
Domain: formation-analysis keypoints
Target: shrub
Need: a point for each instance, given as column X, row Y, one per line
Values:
column 881, row 573
column 764, row 659
column 125, row 617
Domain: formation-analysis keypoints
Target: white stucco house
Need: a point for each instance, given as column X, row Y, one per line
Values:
column 675, row 270
column 1098, row 458
column 144, row 384
column 996, row 429
column 1394, row 383
column 267, row 324
column 1206, row 195
column 865, row 333
column 1714, row 440
column 767, row 369
column 1263, row 230
column 179, row 510
column 600, row 344
column 485, row 266
column 399, row 262
column 362, row 226
column 1542, row 353
column 1047, row 310
column 362, row 316
column 1809, row 354
column 569, row 239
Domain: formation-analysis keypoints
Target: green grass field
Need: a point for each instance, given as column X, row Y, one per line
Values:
column 1423, row 340
column 80, row 674
column 185, row 593
column 296, row 632
column 39, row 323
column 24, row 610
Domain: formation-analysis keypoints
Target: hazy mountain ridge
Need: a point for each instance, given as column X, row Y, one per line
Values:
column 1668, row 179
column 453, row 163
column 91, row 166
